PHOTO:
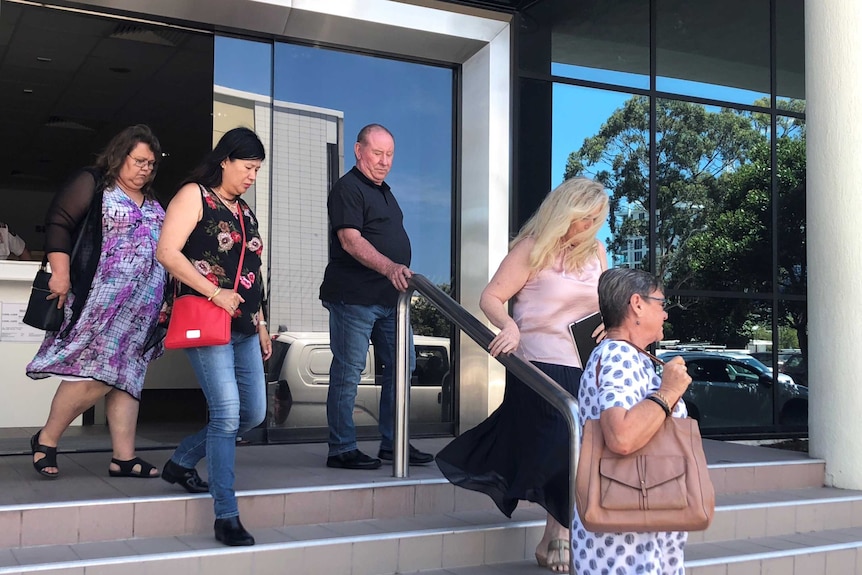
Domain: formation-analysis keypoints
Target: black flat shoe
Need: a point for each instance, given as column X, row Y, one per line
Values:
column 352, row 460
column 416, row 457
column 50, row 459
column 231, row 532
column 127, row 468
column 188, row 478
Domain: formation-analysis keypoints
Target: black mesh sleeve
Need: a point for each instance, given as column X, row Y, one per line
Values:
column 68, row 209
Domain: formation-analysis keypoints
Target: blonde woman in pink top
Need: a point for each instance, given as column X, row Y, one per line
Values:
column 551, row 277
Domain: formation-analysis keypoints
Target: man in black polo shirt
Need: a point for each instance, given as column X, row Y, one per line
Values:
column 369, row 259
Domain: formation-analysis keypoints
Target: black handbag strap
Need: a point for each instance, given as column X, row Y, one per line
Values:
column 82, row 224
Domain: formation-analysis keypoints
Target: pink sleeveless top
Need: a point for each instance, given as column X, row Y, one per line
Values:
column 548, row 303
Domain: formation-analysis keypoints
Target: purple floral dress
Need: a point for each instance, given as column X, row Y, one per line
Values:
column 109, row 342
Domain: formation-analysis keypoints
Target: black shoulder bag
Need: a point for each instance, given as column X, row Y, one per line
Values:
column 43, row 313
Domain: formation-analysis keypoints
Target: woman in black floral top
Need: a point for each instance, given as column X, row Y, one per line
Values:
column 200, row 246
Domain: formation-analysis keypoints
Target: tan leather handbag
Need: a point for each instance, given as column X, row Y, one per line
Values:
column 664, row 486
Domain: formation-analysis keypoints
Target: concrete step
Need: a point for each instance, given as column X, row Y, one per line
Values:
column 369, row 547
column 748, row 530
column 72, row 522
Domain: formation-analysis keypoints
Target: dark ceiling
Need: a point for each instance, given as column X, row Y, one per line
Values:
column 507, row 5
column 69, row 82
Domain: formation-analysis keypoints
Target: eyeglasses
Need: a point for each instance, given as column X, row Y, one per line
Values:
column 662, row 300
column 143, row 163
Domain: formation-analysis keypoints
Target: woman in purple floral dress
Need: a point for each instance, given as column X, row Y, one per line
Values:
column 111, row 293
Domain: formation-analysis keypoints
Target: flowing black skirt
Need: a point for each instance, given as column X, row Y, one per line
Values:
column 521, row 452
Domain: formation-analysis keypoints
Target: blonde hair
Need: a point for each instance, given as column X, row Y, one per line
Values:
column 572, row 200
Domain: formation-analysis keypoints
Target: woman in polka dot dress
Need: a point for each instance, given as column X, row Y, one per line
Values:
column 521, row 451
column 632, row 402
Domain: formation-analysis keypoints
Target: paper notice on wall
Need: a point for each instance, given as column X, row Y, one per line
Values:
column 12, row 326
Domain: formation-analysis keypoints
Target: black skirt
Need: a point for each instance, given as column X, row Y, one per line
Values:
column 521, row 452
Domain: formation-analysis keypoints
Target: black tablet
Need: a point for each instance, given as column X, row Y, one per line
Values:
column 582, row 334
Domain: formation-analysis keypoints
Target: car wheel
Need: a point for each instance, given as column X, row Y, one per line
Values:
column 794, row 413
column 693, row 411
column 282, row 401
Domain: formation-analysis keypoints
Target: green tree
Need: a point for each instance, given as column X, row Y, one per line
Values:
column 714, row 224
column 694, row 148
column 425, row 318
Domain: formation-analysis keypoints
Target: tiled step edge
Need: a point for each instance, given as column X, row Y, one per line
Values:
column 376, row 553
column 105, row 520
column 778, row 513
column 730, row 478
column 828, row 551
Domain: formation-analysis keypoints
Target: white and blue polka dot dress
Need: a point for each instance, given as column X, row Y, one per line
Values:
column 626, row 378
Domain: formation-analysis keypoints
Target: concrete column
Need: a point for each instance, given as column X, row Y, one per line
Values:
column 833, row 68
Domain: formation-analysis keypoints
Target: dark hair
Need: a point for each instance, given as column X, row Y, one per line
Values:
column 112, row 158
column 236, row 144
column 616, row 288
column 362, row 136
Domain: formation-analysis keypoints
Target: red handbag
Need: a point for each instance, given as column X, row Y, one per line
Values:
column 199, row 322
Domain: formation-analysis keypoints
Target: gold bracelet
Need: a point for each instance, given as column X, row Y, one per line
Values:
column 215, row 293
column 661, row 396
column 653, row 398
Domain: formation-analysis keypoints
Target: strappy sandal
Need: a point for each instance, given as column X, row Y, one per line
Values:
column 127, row 468
column 50, row 459
column 557, row 560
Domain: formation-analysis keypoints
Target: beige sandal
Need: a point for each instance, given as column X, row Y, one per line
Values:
column 557, row 560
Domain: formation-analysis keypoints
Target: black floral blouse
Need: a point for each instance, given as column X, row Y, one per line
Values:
column 214, row 248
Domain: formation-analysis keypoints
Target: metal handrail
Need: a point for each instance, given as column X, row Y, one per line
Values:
column 546, row 387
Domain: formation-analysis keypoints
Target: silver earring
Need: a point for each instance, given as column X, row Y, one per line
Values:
column 637, row 322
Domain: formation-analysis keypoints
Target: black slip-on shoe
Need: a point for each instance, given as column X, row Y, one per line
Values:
column 416, row 457
column 352, row 460
column 231, row 532
column 187, row 478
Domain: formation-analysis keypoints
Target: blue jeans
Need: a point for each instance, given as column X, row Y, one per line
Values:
column 350, row 329
column 231, row 377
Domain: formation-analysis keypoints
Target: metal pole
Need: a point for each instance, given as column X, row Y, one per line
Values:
column 400, row 457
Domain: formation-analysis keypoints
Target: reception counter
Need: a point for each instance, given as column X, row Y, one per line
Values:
column 25, row 401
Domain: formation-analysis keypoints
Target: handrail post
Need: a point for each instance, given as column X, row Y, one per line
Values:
column 546, row 387
column 400, row 441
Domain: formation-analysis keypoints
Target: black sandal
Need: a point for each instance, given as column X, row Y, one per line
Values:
column 127, row 468
column 50, row 459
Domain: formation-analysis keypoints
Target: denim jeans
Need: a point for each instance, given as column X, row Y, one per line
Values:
column 350, row 329
column 231, row 377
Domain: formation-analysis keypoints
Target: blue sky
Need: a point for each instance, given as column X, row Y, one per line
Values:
column 413, row 101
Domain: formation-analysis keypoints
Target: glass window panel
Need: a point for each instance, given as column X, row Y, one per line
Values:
column 792, row 263
column 242, row 90
column 321, row 101
column 604, row 135
column 597, row 40
column 790, row 54
column 714, row 198
column 793, row 340
column 714, row 49
column 730, row 387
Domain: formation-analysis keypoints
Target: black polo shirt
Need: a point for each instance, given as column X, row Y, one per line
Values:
column 357, row 202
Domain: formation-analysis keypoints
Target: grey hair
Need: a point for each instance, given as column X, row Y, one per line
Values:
column 616, row 288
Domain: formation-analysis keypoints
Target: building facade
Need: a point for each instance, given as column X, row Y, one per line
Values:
column 710, row 123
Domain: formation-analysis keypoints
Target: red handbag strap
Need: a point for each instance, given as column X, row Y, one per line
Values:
column 239, row 213
column 241, row 251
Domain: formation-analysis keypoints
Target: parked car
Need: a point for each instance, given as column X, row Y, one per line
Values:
column 758, row 364
column 298, row 381
column 732, row 391
column 796, row 366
